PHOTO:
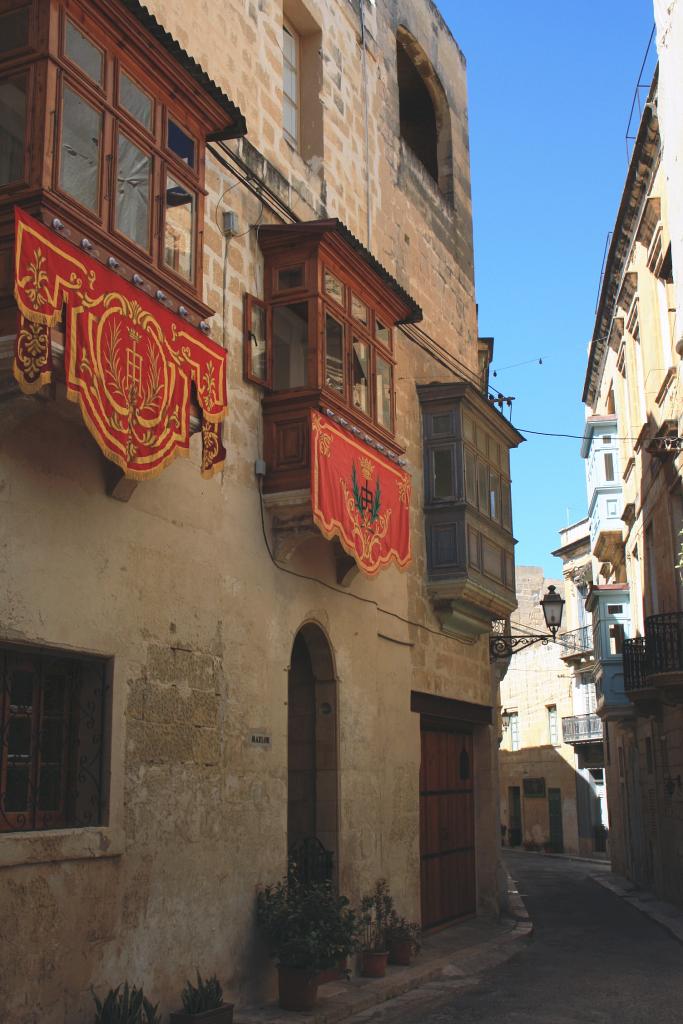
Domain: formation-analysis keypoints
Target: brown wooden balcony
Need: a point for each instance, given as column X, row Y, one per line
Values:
column 581, row 729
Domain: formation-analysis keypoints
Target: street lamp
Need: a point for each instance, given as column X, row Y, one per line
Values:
column 504, row 646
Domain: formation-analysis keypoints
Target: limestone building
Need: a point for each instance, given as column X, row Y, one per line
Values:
column 281, row 641
column 550, row 787
column 632, row 445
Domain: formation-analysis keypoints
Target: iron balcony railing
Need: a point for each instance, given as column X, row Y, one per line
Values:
column 577, row 641
column 664, row 643
column 581, row 729
column 634, row 663
column 659, row 652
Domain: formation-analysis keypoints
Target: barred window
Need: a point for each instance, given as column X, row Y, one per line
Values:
column 52, row 740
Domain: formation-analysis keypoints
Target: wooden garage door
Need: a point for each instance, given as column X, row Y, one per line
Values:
column 446, row 825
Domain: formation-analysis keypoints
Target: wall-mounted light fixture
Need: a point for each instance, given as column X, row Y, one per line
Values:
column 504, row 646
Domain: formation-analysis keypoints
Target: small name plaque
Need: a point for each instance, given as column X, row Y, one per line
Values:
column 260, row 739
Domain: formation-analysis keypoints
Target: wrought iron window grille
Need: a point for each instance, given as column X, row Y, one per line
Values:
column 52, row 740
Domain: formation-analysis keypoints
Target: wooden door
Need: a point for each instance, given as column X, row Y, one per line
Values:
column 555, row 820
column 448, row 884
column 515, row 816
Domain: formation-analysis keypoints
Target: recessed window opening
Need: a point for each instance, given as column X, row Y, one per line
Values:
column 416, row 112
column 290, row 85
column 514, row 731
column 53, row 709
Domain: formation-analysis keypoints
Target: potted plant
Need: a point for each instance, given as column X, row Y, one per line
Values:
column 309, row 929
column 127, row 1007
column 402, row 940
column 203, row 1002
column 376, row 912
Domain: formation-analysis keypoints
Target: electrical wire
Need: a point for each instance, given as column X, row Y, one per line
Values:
column 575, row 437
column 338, row 590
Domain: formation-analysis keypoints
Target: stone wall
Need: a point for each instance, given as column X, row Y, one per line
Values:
column 178, row 590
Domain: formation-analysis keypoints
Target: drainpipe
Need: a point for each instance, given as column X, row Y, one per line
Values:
column 364, row 66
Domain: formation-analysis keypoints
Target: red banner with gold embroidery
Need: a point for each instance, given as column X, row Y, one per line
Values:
column 129, row 362
column 360, row 497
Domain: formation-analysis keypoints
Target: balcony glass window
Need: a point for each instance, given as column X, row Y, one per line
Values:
column 470, row 477
column 13, row 92
column 385, row 387
column 334, row 354
column 81, row 147
column 135, row 101
column 494, row 496
column 359, row 311
column 79, row 49
column 289, row 278
column 443, row 477
column 609, row 466
column 290, row 346
column 13, row 30
column 133, row 187
column 506, row 505
column 382, row 332
column 483, row 478
column 334, row 287
column 257, row 337
column 180, row 143
column 361, row 375
column 179, row 228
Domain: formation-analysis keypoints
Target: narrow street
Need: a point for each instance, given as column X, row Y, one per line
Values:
column 592, row 960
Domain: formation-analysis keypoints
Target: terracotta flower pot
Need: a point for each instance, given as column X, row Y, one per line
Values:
column 219, row 1015
column 400, row 952
column 298, row 988
column 373, row 965
column 332, row 973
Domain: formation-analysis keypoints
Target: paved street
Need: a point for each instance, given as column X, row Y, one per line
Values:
column 592, row 960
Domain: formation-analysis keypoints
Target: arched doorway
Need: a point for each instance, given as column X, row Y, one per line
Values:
column 312, row 774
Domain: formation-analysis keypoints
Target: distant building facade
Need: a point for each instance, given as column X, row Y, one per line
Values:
column 632, row 446
column 551, row 773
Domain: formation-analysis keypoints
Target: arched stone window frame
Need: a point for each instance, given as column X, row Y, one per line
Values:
column 444, row 142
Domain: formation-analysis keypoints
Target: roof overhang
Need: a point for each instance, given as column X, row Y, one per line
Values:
column 633, row 205
column 336, row 234
column 232, row 124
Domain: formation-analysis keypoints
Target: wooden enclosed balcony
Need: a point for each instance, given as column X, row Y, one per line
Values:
column 468, row 512
column 578, row 729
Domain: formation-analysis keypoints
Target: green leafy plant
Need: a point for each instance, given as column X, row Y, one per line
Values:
column 125, row 1007
column 206, row 995
column 305, row 924
column 377, row 910
column 400, row 929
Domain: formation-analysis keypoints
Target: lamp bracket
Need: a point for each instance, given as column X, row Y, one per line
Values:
column 502, row 646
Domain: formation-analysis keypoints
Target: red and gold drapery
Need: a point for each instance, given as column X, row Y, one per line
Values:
column 360, row 497
column 129, row 362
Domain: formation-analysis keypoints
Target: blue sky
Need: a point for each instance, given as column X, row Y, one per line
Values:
column 550, row 90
